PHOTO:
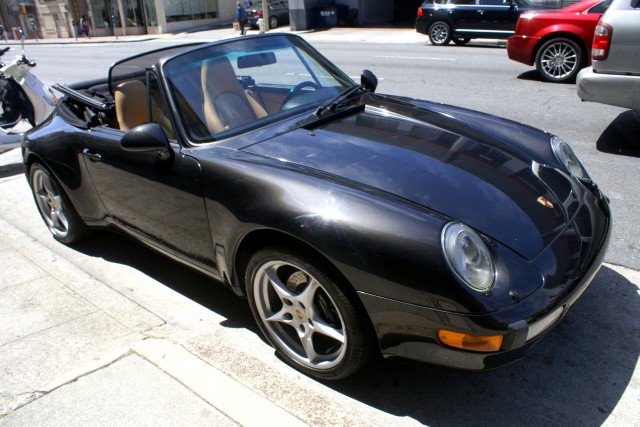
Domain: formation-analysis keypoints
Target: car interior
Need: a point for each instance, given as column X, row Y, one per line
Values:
column 214, row 94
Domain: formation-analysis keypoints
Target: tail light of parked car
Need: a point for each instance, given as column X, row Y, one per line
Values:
column 419, row 12
column 601, row 42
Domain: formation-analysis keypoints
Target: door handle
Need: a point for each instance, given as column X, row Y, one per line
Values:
column 92, row 155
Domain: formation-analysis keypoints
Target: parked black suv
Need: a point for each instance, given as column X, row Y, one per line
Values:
column 463, row 20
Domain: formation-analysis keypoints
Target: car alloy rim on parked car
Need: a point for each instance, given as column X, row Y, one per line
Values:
column 559, row 60
column 299, row 315
column 439, row 33
column 50, row 203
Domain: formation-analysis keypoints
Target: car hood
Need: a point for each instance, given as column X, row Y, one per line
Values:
column 441, row 162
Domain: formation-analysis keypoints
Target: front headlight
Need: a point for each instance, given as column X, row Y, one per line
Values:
column 468, row 256
column 568, row 158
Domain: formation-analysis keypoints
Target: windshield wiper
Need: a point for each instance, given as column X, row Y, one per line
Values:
column 333, row 103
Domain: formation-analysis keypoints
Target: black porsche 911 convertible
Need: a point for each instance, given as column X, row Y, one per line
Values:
column 355, row 223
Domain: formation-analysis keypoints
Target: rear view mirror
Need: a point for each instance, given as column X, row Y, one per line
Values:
column 256, row 60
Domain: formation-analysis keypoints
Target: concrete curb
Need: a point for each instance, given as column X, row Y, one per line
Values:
column 230, row 397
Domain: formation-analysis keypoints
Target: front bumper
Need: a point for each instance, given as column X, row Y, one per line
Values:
column 611, row 89
column 521, row 48
column 568, row 265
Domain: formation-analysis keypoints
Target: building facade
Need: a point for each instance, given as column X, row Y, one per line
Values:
column 63, row 18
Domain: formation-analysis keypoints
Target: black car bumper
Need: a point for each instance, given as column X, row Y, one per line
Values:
column 411, row 331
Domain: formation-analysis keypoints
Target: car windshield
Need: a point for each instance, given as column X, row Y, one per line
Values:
column 232, row 87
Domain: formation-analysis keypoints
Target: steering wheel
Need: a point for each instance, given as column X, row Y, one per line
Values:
column 295, row 91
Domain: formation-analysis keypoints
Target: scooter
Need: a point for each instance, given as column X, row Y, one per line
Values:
column 22, row 97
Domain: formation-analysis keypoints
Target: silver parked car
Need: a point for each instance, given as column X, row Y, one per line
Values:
column 614, row 77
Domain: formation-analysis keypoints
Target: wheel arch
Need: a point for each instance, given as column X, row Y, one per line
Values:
column 562, row 35
column 31, row 159
column 263, row 238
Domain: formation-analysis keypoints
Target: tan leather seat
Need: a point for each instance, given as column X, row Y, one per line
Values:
column 226, row 103
column 131, row 104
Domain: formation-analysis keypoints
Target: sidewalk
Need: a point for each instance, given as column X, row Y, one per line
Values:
column 75, row 352
column 343, row 34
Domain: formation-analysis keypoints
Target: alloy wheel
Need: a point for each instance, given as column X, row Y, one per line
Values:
column 299, row 315
column 440, row 33
column 559, row 60
column 50, row 203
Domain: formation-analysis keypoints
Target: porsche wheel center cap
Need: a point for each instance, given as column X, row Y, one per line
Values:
column 299, row 314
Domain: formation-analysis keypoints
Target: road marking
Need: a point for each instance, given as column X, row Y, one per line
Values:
column 415, row 57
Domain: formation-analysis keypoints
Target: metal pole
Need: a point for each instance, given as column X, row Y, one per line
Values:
column 111, row 18
column 265, row 14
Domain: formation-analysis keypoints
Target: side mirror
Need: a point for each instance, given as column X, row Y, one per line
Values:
column 369, row 81
column 147, row 138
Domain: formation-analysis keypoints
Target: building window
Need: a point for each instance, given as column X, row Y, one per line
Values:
column 133, row 13
column 150, row 10
column 188, row 10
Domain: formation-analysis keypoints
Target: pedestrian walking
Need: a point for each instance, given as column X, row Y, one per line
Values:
column 84, row 26
column 241, row 18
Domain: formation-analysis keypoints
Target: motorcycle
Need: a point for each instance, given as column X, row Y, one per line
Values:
column 23, row 97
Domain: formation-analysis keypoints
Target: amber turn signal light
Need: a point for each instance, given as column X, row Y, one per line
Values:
column 484, row 343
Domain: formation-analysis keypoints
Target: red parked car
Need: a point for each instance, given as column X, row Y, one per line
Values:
column 557, row 41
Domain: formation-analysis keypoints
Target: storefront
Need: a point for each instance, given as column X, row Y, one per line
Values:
column 131, row 17
column 63, row 18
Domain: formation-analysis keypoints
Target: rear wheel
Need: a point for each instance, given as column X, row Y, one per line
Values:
column 559, row 60
column 311, row 321
column 56, row 210
column 440, row 33
column 273, row 21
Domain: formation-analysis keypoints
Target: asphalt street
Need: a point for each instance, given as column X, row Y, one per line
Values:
column 109, row 333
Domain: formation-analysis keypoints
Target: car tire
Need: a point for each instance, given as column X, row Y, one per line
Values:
column 273, row 21
column 308, row 316
column 54, row 206
column 440, row 33
column 461, row 41
column 559, row 60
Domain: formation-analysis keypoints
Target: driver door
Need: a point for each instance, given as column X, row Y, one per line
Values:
column 157, row 200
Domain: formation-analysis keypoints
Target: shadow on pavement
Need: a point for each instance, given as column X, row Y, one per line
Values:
column 12, row 169
column 195, row 286
column 533, row 76
column 622, row 136
column 577, row 373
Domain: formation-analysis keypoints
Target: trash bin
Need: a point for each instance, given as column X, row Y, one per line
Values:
column 342, row 12
column 326, row 16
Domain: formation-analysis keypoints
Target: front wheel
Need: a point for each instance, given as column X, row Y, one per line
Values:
column 440, row 33
column 56, row 210
column 559, row 60
column 273, row 21
column 311, row 321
